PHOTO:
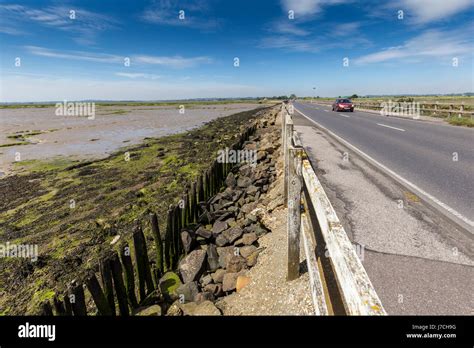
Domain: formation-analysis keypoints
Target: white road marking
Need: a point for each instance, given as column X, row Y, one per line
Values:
column 400, row 178
column 384, row 125
column 343, row 115
column 326, row 110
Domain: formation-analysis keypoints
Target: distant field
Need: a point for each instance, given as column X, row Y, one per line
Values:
column 144, row 103
column 467, row 100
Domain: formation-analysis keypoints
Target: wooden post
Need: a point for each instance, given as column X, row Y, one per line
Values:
column 125, row 257
column 97, row 294
column 200, row 190
column 294, row 214
column 155, row 230
column 67, row 305
column 288, row 142
column 143, row 264
column 461, row 109
column 58, row 306
column 168, row 238
column 119, row 285
column 46, row 309
column 106, row 275
column 77, row 299
column 176, row 233
column 191, row 203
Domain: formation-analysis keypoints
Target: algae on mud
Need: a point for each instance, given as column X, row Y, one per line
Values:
column 73, row 211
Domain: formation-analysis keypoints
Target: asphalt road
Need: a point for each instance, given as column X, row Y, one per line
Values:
column 419, row 151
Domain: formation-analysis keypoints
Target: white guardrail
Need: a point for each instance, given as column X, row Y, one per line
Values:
column 354, row 287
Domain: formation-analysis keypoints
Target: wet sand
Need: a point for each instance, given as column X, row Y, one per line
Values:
column 77, row 137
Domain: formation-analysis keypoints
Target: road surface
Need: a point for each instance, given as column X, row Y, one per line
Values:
column 437, row 158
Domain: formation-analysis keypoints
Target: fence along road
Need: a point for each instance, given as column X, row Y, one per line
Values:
column 354, row 288
column 422, row 153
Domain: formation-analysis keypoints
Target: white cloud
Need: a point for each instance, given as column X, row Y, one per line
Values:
column 176, row 62
column 196, row 14
column 424, row 11
column 173, row 62
column 75, row 55
column 307, row 8
column 430, row 44
column 84, row 27
column 285, row 27
column 138, row 75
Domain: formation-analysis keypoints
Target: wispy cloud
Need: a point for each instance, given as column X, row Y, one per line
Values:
column 176, row 62
column 425, row 11
column 430, row 44
column 173, row 62
column 196, row 14
column 138, row 75
column 287, row 27
column 308, row 8
column 75, row 55
column 84, row 27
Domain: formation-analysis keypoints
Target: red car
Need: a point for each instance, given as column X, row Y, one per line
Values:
column 343, row 104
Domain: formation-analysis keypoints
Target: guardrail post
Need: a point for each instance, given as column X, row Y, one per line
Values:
column 295, row 182
column 287, row 140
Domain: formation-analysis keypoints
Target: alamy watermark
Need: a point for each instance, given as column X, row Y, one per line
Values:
column 409, row 109
column 26, row 251
column 237, row 156
column 76, row 109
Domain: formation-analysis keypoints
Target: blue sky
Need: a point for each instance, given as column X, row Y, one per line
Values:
column 283, row 47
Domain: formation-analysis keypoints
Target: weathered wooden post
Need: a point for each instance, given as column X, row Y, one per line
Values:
column 295, row 182
column 155, row 230
column 106, row 275
column 58, row 306
column 125, row 256
column 46, row 309
column 97, row 294
column 168, row 240
column 67, row 305
column 77, row 299
column 461, row 109
column 200, row 190
column 288, row 136
column 143, row 265
column 119, row 285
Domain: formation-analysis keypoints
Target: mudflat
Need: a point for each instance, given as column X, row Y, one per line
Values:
column 30, row 134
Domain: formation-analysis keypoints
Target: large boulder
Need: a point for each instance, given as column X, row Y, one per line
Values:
column 229, row 282
column 154, row 310
column 218, row 227
column 203, row 232
column 218, row 275
column 244, row 181
column 242, row 281
column 192, row 266
column 232, row 234
column 186, row 292
column 212, row 258
column 168, row 284
column 247, row 250
column 249, row 238
column 235, row 264
column 230, row 180
column 224, row 254
column 203, row 308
